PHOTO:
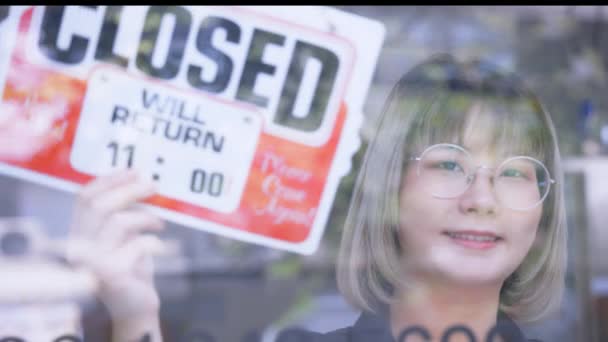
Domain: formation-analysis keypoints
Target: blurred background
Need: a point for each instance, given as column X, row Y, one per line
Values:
column 235, row 291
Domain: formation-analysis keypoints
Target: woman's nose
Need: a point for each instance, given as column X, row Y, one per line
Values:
column 480, row 197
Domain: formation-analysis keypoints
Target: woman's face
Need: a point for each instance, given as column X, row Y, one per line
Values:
column 449, row 240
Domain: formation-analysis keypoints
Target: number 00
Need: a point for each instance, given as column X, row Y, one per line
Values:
column 212, row 185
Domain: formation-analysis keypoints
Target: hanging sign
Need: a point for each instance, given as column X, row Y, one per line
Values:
column 245, row 117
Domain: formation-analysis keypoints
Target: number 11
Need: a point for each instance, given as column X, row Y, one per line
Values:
column 130, row 149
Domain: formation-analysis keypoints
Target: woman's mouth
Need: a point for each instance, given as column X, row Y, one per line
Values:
column 474, row 239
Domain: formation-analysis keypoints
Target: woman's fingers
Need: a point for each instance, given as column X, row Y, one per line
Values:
column 90, row 193
column 84, row 218
column 143, row 245
column 126, row 195
column 107, row 240
column 101, row 213
column 115, row 264
column 105, row 183
column 122, row 226
column 135, row 251
column 110, row 196
column 85, row 253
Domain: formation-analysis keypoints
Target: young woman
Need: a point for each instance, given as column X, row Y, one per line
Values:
column 456, row 226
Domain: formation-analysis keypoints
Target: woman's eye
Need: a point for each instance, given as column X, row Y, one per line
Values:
column 513, row 173
column 449, row 165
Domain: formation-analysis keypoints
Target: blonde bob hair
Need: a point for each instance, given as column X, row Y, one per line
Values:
column 432, row 104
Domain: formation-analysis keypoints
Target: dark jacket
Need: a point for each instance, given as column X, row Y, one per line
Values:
column 376, row 328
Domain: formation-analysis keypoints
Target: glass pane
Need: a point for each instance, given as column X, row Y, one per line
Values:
column 268, row 138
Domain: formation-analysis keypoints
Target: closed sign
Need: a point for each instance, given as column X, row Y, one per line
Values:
column 245, row 117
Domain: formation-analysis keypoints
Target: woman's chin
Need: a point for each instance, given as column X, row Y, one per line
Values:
column 470, row 277
column 472, row 270
column 459, row 271
column 467, row 274
column 477, row 280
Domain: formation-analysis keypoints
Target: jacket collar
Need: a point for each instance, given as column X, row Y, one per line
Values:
column 376, row 327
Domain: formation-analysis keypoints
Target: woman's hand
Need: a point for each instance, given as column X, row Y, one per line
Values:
column 107, row 236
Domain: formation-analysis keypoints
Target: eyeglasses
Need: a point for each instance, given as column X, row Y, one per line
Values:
column 447, row 171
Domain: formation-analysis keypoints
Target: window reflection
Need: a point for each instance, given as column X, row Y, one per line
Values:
column 213, row 287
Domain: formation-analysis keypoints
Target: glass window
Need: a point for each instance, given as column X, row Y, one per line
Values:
column 283, row 182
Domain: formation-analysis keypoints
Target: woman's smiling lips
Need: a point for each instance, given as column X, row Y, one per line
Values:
column 474, row 239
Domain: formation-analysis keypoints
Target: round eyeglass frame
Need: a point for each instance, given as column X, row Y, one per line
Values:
column 470, row 176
